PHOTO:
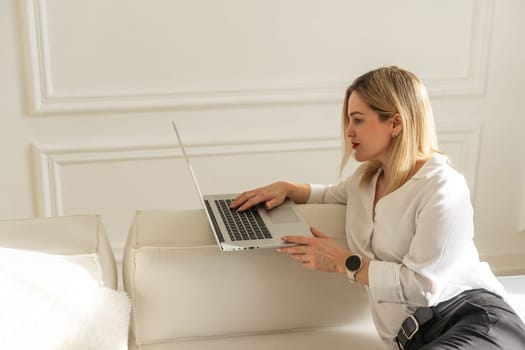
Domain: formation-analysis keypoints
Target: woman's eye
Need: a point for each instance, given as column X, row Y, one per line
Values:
column 357, row 121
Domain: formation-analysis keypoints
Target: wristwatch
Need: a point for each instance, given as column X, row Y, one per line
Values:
column 353, row 265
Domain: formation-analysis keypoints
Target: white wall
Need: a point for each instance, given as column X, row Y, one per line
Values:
column 89, row 88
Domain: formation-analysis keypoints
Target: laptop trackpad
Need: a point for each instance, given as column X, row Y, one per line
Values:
column 282, row 215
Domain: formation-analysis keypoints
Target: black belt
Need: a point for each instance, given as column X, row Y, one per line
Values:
column 411, row 325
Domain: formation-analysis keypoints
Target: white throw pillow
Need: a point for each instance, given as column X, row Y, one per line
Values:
column 50, row 302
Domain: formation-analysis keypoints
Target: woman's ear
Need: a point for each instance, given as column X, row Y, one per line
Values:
column 397, row 124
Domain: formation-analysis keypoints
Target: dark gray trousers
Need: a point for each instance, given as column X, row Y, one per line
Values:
column 475, row 319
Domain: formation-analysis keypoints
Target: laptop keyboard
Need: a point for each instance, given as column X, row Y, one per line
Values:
column 242, row 226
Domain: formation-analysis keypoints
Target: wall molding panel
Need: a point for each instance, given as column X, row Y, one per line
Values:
column 49, row 160
column 461, row 144
column 48, row 96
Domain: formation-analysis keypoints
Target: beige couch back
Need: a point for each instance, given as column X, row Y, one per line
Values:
column 183, row 286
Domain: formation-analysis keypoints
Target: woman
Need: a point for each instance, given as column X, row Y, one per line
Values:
column 409, row 225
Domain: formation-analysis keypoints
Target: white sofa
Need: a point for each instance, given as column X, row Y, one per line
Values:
column 187, row 294
column 58, row 280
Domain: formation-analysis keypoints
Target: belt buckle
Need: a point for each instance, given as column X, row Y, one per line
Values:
column 416, row 329
column 408, row 335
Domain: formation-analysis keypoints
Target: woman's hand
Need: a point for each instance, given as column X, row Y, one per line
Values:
column 272, row 195
column 318, row 253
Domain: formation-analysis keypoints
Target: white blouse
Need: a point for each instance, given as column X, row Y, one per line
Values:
column 420, row 241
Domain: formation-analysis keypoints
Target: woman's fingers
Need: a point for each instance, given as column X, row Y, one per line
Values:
column 297, row 239
column 273, row 195
column 319, row 252
column 250, row 202
column 245, row 200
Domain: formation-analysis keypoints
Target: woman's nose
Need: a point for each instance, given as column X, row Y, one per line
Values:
column 349, row 132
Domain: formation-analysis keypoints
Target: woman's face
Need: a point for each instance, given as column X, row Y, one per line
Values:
column 370, row 136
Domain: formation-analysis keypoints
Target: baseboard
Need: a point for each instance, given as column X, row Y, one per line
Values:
column 506, row 264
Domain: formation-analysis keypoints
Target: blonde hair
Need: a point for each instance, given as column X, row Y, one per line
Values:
column 391, row 90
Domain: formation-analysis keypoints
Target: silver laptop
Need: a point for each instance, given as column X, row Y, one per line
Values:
column 252, row 229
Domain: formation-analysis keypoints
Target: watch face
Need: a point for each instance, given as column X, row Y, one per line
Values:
column 353, row 263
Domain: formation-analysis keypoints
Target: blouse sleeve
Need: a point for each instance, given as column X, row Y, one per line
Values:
column 443, row 242
column 335, row 194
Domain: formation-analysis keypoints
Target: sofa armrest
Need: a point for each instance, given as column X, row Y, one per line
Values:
column 80, row 238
